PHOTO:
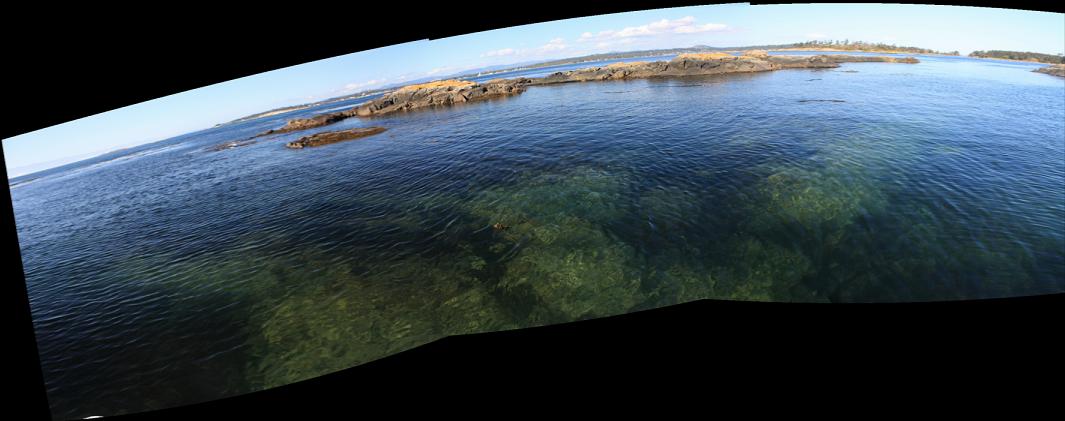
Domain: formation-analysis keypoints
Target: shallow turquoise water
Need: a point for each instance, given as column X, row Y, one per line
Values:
column 172, row 274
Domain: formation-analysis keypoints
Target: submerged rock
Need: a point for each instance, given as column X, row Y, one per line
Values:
column 326, row 138
column 230, row 145
column 557, row 258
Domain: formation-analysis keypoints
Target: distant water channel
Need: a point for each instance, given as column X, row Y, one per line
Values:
column 169, row 274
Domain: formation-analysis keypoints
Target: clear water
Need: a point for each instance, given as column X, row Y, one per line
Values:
column 169, row 274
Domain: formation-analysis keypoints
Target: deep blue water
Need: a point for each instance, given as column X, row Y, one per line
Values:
column 169, row 274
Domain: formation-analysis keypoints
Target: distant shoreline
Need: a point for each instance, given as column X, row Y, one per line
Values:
column 835, row 50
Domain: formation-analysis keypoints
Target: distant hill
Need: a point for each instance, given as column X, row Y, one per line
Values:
column 1019, row 55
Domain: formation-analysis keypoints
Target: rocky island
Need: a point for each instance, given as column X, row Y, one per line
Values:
column 451, row 92
column 1055, row 69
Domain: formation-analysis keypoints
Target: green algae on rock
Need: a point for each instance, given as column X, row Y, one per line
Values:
column 565, row 264
column 338, row 317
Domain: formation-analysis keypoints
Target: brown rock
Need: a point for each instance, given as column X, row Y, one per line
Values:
column 1055, row 69
column 452, row 92
column 310, row 123
column 756, row 53
column 447, row 92
column 326, row 138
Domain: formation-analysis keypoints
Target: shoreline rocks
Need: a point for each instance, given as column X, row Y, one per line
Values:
column 1053, row 69
column 325, row 138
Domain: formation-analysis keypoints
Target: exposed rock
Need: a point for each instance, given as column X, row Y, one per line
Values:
column 708, row 64
column 230, row 145
column 843, row 58
column 682, row 65
column 1055, row 69
column 756, row 53
column 326, row 138
column 310, row 123
column 448, row 92
column 451, row 92
column 703, row 56
column 804, row 62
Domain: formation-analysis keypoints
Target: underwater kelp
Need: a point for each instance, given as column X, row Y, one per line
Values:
column 559, row 260
column 313, row 311
column 580, row 243
column 338, row 317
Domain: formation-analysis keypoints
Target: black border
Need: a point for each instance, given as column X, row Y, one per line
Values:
column 73, row 61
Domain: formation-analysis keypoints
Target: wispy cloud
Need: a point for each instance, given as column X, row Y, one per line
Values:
column 498, row 53
column 366, row 84
column 651, row 33
column 439, row 70
column 553, row 46
column 684, row 25
column 556, row 44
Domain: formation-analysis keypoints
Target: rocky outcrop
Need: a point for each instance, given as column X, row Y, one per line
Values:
column 452, row 92
column 709, row 64
column 843, row 58
column 1055, row 69
column 448, row 92
column 682, row 65
column 756, row 53
column 326, row 138
column 310, row 123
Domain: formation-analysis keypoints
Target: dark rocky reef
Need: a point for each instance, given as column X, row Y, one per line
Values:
column 326, row 138
column 1056, row 70
column 447, row 92
column 310, row 123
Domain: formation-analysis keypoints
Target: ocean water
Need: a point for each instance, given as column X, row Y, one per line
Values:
column 170, row 274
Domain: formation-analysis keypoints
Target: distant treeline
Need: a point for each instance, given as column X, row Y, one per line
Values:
column 865, row 46
column 1018, row 55
column 845, row 45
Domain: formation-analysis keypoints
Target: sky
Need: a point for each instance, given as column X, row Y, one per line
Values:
column 944, row 28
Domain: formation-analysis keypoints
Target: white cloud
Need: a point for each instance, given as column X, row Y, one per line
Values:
column 556, row 44
column 502, row 52
column 438, row 70
column 684, row 25
column 695, row 29
column 359, row 85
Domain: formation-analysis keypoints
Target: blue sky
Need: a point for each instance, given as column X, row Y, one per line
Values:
column 943, row 28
